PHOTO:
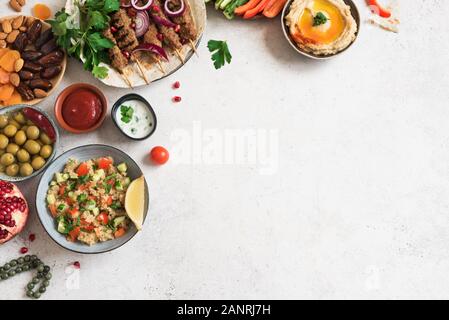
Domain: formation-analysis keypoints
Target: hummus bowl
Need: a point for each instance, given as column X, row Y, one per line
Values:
column 348, row 13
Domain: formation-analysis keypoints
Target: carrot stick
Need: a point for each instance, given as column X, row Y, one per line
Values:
column 273, row 8
column 247, row 6
column 252, row 12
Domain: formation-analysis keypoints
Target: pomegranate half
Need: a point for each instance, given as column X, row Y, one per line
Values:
column 13, row 211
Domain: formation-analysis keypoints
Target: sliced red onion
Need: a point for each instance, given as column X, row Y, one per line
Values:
column 176, row 13
column 146, row 6
column 125, row 4
column 163, row 21
column 142, row 21
column 153, row 49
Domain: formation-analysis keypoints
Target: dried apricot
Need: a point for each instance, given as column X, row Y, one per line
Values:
column 4, row 76
column 8, row 60
column 6, row 92
column 14, row 99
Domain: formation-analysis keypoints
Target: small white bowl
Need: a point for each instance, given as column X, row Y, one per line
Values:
column 285, row 29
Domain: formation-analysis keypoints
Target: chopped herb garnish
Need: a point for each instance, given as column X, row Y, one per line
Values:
column 319, row 19
column 126, row 113
column 61, row 207
column 83, row 179
column 82, row 197
column 133, row 130
column 115, row 205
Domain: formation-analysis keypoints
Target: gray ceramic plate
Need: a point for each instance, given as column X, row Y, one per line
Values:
column 84, row 153
column 286, row 10
column 16, row 108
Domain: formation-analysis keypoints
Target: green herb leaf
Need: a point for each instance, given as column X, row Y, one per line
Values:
column 97, row 20
column 115, row 205
column 319, row 19
column 127, row 113
column 111, row 5
column 81, row 198
column 220, row 53
column 100, row 72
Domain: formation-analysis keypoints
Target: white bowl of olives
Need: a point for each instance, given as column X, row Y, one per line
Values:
column 28, row 138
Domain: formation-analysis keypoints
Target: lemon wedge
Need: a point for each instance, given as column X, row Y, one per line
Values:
column 135, row 201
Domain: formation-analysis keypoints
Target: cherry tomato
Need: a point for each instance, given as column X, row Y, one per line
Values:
column 159, row 155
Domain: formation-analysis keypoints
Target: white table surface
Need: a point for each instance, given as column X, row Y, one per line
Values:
column 356, row 207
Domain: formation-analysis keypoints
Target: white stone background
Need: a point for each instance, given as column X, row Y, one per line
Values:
column 359, row 204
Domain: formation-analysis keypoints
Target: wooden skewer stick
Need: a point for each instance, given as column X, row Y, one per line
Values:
column 142, row 73
column 179, row 56
column 193, row 47
column 126, row 79
column 161, row 67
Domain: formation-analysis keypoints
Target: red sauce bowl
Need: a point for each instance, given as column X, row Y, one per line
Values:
column 73, row 89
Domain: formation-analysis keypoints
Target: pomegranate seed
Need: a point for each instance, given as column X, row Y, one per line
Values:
column 126, row 54
column 176, row 99
column 77, row 264
column 23, row 250
column 32, row 237
column 133, row 25
column 176, row 85
column 155, row 8
column 160, row 37
column 113, row 29
column 177, row 28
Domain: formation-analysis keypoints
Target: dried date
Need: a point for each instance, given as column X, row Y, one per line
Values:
column 34, row 30
column 51, row 72
column 41, row 84
column 31, row 55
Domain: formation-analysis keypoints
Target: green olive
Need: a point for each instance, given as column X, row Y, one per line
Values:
column 3, row 121
column 44, row 138
column 20, row 118
column 3, row 141
column 20, row 137
column 46, row 151
column 15, row 123
column 12, row 148
column 33, row 132
column 26, row 169
column 12, row 170
column 7, row 159
column 23, row 155
column 37, row 163
column 10, row 130
column 32, row 147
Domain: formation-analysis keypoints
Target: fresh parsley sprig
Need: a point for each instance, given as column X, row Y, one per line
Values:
column 220, row 53
column 80, row 33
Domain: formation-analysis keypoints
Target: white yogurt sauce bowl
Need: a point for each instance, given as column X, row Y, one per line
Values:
column 134, row 117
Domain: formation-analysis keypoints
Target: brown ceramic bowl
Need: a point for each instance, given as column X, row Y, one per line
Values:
column 65, row 93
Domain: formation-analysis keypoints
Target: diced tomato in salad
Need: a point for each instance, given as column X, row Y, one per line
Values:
column 103, row 218
column 82, row 169
column 104, row 163
column 73, row 235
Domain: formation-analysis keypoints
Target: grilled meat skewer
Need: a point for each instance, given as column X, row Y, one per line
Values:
column 185, row 21
column 126, row 38
column 171, row 38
